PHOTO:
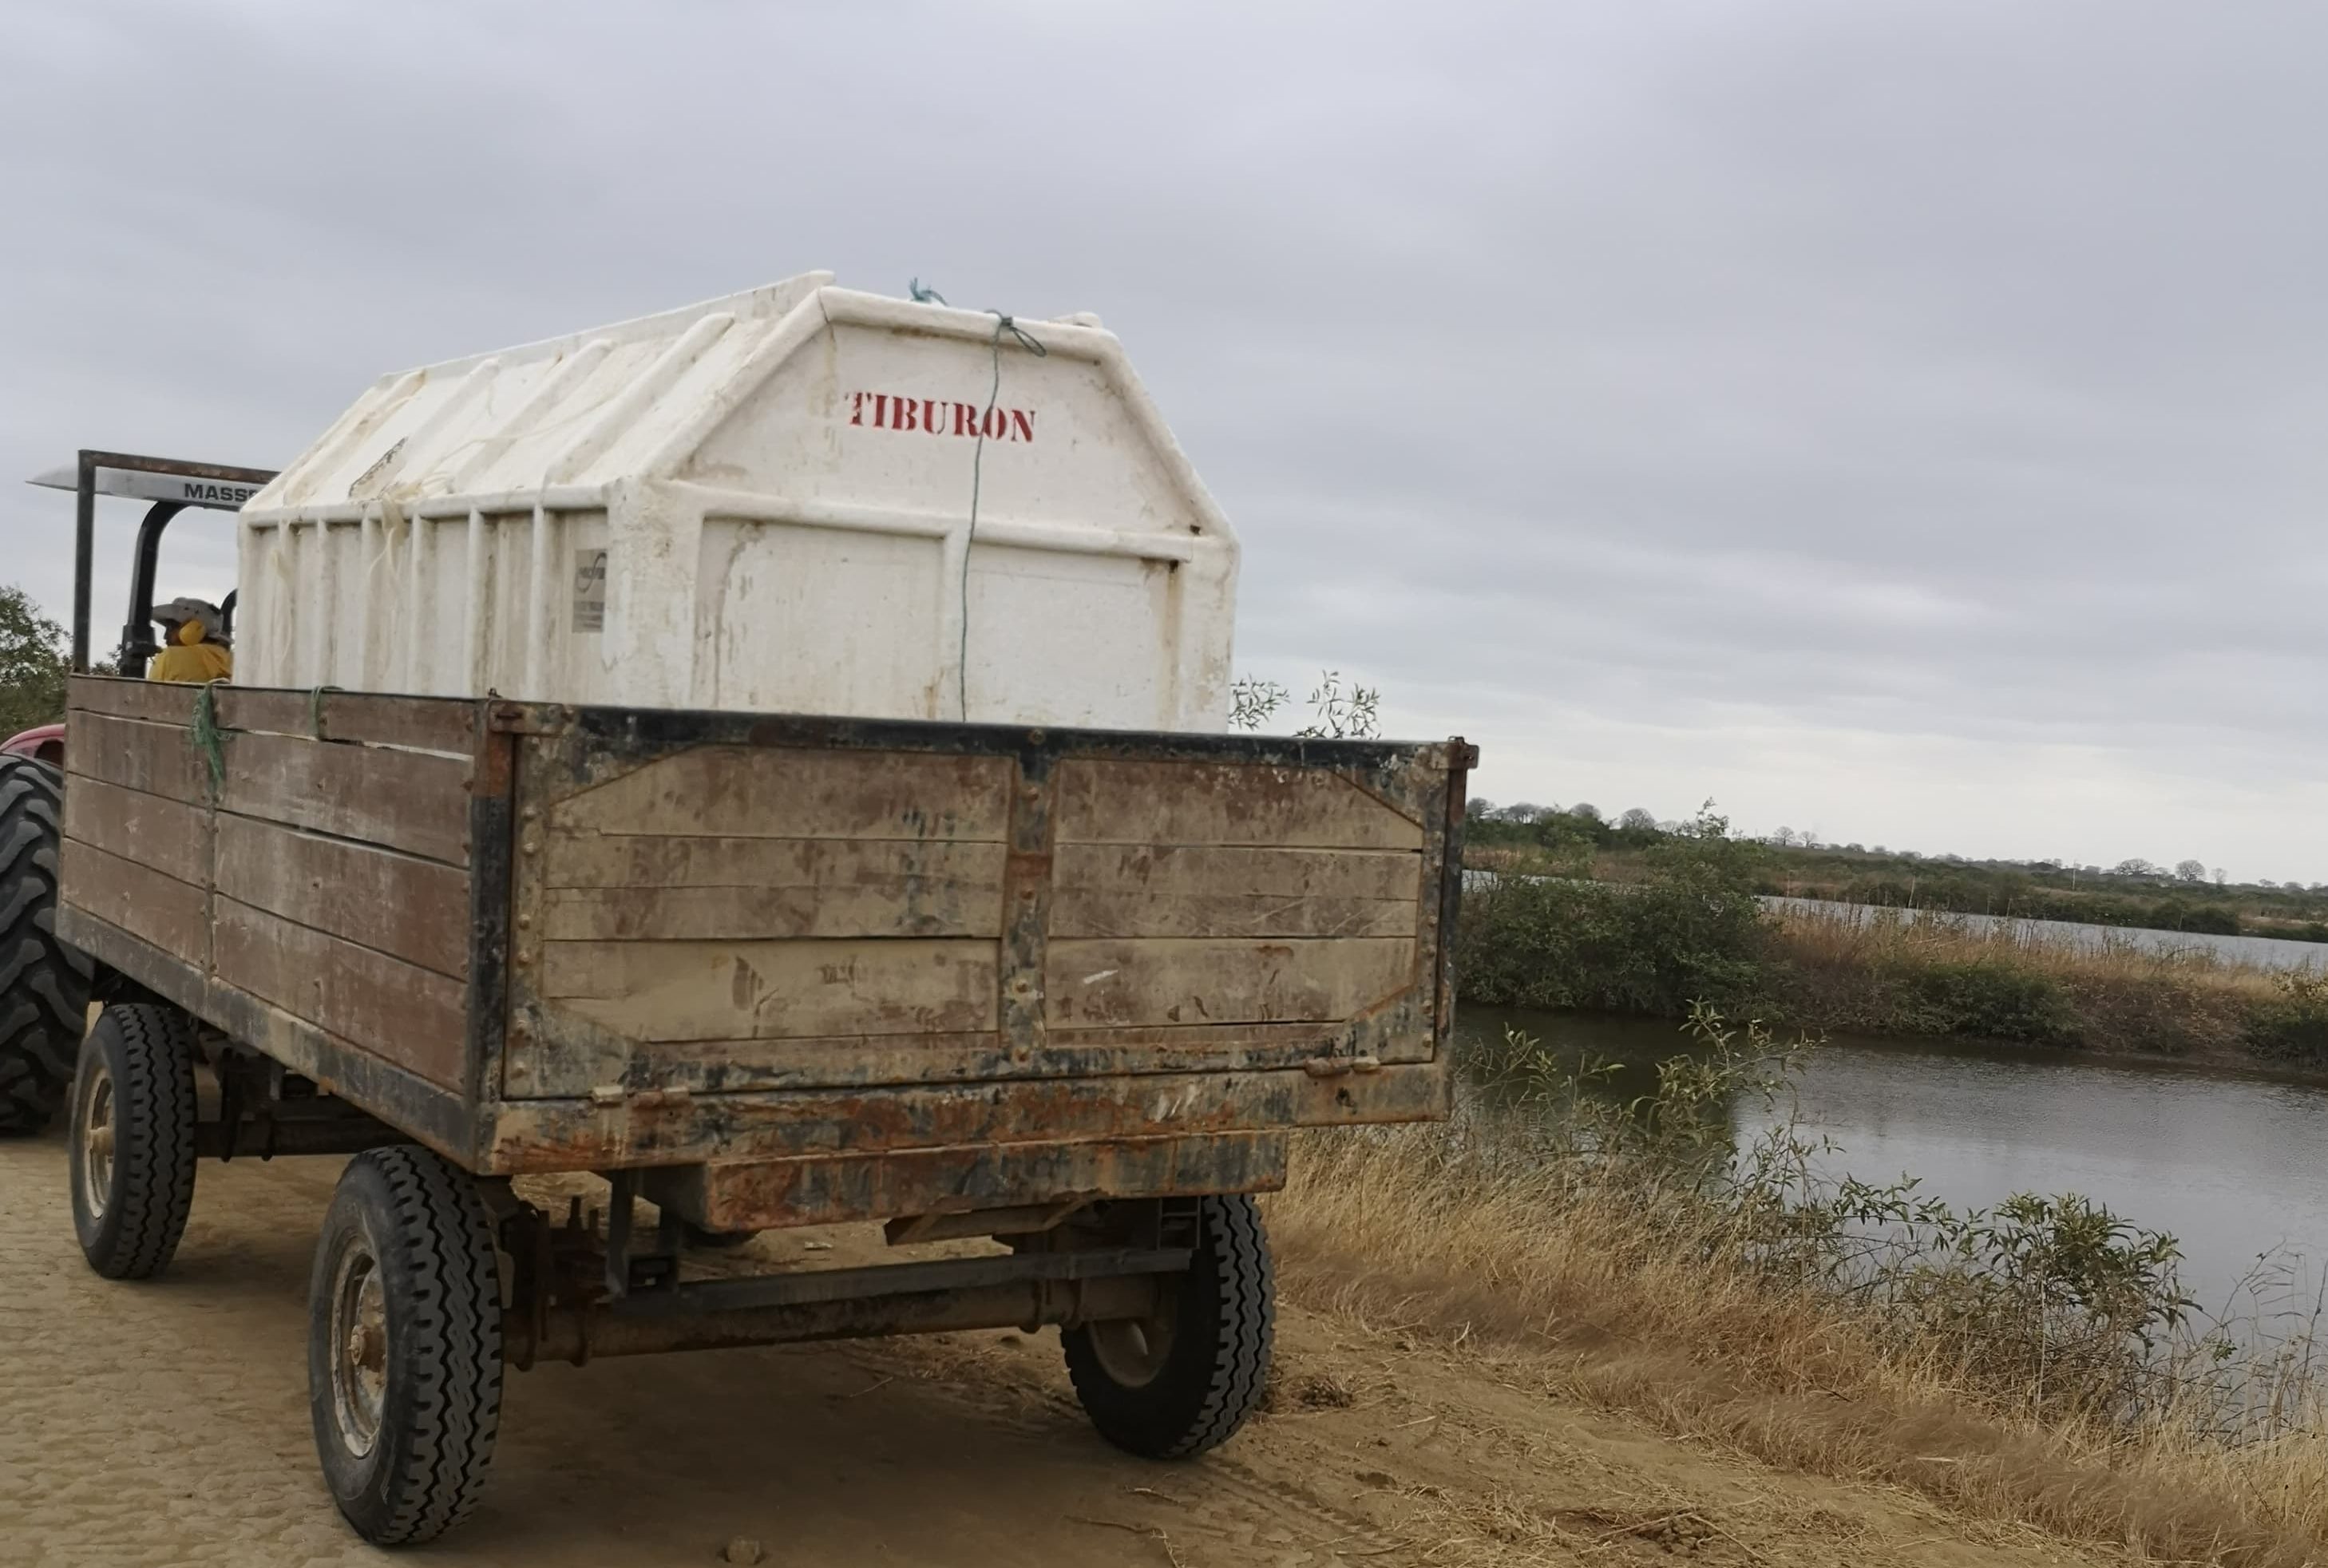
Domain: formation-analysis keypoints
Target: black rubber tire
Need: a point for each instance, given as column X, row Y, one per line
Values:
column 43, row 984
column 143, row 1054
column 1217, row 1362
column 424, row 1224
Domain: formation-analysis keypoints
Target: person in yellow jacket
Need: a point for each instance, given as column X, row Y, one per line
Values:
column 192, row 646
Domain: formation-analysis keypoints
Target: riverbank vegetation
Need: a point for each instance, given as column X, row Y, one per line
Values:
column 2189, row 896
column 2036, row 1364
column 1688, row 927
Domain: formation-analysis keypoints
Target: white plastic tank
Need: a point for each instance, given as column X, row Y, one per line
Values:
column 760, row 502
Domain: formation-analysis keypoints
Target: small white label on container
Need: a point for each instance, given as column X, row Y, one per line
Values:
column 589, row 590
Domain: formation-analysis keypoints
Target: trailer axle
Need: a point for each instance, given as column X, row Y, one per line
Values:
column 580, row 1334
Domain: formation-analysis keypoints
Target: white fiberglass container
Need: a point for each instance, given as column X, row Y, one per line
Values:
column 760, row 502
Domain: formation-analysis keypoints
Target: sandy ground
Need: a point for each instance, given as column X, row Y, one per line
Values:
column 166, row 1423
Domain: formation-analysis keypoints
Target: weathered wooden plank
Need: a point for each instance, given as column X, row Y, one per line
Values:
column 833, row 1190
column 427, row 1113
column 873, row 1061
column 446, row 724
column 160, row 759
column 787, row 793
column 166, row 974
column 1132, row 913
column 412, row 801
column 413, row 1018
column 687, row 990
column 139, row 899
column 744, row 914
column 154, row 701
column 578, row 1134
column 1399, row 1030
column 1224, row 803
column 1099, row 983
column 586, row 858
column 606, row 888
column 443, row 724
column 171, row 836
column 409, row 908
column 1169, row 868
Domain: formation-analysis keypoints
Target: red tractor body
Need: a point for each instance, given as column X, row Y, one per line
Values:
column 44, row 741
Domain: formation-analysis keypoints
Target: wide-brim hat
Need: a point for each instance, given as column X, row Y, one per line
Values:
column 178, row 611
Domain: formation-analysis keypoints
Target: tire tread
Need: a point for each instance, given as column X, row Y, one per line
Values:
column 154, row 1112
column 1197, row 1405
column 43, row 984
column 450, row 1340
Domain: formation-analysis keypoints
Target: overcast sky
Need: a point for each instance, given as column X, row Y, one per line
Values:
column 1908, row 422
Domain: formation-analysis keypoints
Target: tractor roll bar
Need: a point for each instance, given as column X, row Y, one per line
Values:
column 171, row 485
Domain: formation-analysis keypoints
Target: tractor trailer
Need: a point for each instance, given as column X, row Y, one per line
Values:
column 769, row 759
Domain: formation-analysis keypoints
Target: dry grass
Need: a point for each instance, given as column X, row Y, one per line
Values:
column 1607, row 1293
column 1845, row 936
column 1884, row 972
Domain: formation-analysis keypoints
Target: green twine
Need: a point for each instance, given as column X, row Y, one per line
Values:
column 924, row 294
column 1003, row 323
column 207, row 737
column 316, row 709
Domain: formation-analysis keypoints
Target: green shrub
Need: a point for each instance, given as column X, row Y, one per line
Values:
column 2292, row 1026
column 1692, row 933
column 2176, row 914
column 2050, row 1302
column 1994, row 1000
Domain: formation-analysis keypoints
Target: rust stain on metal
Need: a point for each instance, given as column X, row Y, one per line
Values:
column 835, row 1189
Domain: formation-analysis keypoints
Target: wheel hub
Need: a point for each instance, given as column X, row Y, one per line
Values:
column 1132, row 1351
column 359, row 1344
column 97, row 1138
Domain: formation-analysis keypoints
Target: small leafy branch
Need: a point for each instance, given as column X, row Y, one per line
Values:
column 1338, row 712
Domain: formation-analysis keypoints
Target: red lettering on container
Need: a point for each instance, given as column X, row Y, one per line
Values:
column 928, row 415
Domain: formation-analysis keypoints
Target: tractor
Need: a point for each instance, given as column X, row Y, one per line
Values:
column 44, row 985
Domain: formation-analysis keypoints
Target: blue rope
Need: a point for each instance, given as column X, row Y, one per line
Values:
column 923, row 295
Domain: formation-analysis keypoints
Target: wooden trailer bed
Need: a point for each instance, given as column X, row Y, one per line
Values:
column 793, row 971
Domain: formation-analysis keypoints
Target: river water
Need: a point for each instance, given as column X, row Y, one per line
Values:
column 2227, row 1162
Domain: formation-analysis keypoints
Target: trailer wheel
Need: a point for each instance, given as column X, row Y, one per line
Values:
column 1182, row 1381
column 43, row 984
column 404, row 1345
column 133, row 1139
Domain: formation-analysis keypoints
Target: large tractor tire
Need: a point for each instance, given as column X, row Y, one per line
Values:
column 43, row 984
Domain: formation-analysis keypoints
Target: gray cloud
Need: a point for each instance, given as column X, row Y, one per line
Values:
column 1903, row 420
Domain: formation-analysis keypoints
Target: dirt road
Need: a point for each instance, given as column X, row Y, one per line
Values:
column 167, row 1425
